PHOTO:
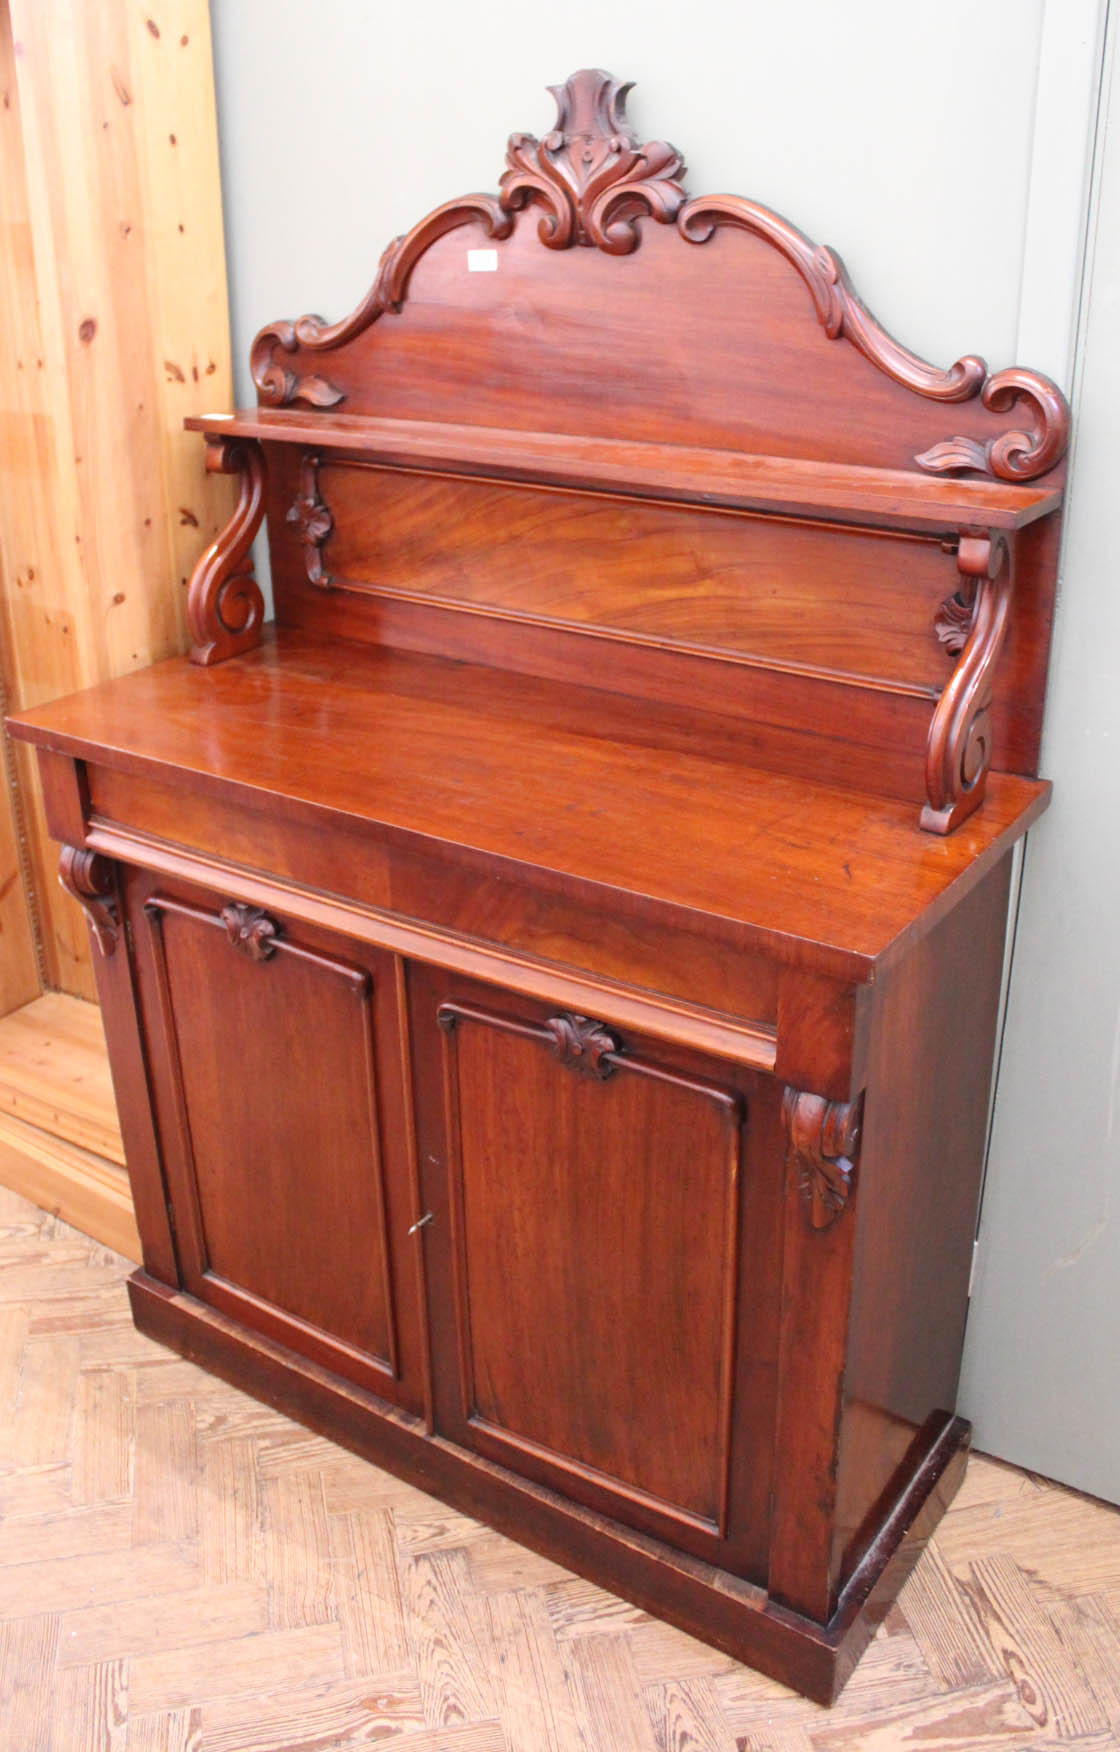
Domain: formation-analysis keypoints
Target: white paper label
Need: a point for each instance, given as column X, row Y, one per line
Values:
column 482, row 261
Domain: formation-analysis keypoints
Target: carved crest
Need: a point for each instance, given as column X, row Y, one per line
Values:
column 583, row 1045
column 823, row 1140
column 593, row 180
column 591, row 173
column 250, row 930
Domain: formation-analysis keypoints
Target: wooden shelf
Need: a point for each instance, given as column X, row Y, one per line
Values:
column 583, row 792
column 680, row 474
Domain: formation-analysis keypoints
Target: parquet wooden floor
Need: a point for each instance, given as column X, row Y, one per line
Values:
column 184, row 1570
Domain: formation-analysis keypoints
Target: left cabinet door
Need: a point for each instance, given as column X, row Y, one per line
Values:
column 277, row 1076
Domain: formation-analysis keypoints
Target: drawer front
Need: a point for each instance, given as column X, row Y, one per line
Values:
column 274, row 1060
column 592, row 1250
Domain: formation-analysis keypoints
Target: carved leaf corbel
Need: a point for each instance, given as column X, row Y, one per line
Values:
column 591, row 173
column 959, row 750
column 313, row 517
column 225, row 608
column 92, row 880
column 823, row 1140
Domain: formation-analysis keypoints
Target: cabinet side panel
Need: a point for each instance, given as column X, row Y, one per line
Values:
column 925, row 1115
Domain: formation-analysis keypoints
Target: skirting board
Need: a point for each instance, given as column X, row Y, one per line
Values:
column 83, row 1189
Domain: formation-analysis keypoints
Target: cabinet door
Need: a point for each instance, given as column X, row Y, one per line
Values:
column 275, row 1058
column 587, row 1250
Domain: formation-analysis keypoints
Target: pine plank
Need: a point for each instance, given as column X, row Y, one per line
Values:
column 91, row 1708
column 368, row 1591
column 535, row 1701
column 178, row 1679
column 346, row 1712
column 27, row 1658
column 54, row 1073
column 449, row 1661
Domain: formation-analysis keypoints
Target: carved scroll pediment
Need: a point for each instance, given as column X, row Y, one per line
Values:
column 592, row 175
column 591, row 180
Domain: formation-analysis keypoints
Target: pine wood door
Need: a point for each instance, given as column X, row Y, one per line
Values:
column 602, row 1276
column 275, row 1059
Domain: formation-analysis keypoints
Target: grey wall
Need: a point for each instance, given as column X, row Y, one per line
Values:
column 1042, row 1369
column 944, row 150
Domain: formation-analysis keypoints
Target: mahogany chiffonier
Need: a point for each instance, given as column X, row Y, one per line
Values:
column 551, row 973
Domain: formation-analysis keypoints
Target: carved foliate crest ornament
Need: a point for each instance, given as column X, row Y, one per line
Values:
column 594, row 180
column 592, row 174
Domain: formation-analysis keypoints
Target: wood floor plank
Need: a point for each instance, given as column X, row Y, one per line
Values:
column 367, row 1576
column 104, row 1436
column 1029, row 1651
column 451, row 1666
column 609, row 1701
column 988, row 1718
column 178, row 1679
column 176, row 1730
column 935, row 1609
column 91, row 1708
column 231, row 1536
column 177, row 1619
column 535, row 1702
column 687, row 1718
column 312, row 1718
column 28, row 1648
column 296, row 1540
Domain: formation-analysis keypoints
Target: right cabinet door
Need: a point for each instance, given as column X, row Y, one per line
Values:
column 599, row 1271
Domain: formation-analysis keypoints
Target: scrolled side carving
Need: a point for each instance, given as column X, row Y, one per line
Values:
column 92, row 880
column 313, row 517
column 823, row 1141
column 583, row 1045
column 1022, row 453
column 225, row 608
column 277, row 385
column 840, row 311
column 250, row 930
column 959, row 750
column 591, row 173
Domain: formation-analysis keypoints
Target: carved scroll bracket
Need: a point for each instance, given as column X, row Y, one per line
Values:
column 225, row 608
column 592, row 175
column 92, row 880
column 959, row 750
column 314, row 520
column 823, row 1142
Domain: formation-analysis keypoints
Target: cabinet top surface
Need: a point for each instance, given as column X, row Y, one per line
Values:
column 586, row 786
